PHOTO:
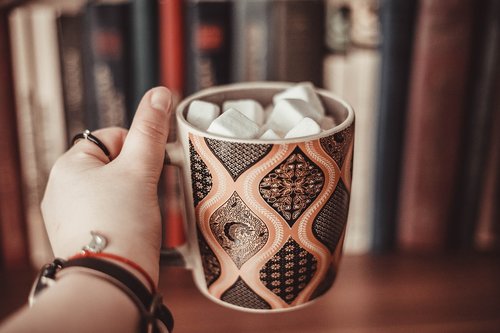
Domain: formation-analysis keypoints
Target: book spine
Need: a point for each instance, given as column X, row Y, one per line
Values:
column 353, row 72
column 251, row 42
column 48, row 108
column 485, row 71
column 171, row 41
column 397, row 27
column 171, row 45
column 208, row 31
column 171, row 205
column 487, row 229
column 70, row 27
column 434, row 124
column 144, row 48
column 13, row 238
column 297, row 41
column 48, row 93
column 24, row 83
column 107, row 65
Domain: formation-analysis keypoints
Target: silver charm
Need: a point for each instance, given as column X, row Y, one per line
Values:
column 97, row 244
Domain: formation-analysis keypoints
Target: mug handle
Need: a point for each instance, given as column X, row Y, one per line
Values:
column 179, row 256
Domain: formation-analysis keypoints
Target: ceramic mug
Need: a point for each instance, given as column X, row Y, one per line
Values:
column 265, row 220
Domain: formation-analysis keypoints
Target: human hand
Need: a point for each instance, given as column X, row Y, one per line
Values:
column 118, row 199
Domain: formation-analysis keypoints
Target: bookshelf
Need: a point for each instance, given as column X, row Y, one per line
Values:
column 351, row 44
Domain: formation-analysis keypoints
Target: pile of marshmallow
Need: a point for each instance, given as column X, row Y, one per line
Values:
column 295, row 112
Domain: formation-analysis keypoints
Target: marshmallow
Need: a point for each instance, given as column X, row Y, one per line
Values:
column 289, row 112
column 304, row 91
column 327, row 123
column 305, row 127
column 270, row 135
column 200, row 114
column 234, row 124
column 250, row 108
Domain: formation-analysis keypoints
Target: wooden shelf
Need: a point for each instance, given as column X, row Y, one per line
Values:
column 372, row 294
column 391, row 293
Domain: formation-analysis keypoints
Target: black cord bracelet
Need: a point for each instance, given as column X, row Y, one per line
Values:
column 150, row 305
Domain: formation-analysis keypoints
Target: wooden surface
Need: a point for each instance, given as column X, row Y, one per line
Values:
column 396, row 293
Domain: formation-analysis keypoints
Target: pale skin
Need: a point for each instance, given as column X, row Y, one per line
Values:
column 86, row 192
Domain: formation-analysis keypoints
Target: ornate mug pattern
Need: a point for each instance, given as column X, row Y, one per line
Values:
column 270, row 217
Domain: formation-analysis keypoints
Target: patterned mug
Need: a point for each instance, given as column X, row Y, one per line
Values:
column 265, row 220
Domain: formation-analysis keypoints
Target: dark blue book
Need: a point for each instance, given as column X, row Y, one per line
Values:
column 145, row 51
column 397, row 28
column 208, row 43
column 107, row 64
column 70, row 33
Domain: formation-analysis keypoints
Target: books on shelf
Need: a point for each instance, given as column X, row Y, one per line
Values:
column 425, row 167
column 31, row 108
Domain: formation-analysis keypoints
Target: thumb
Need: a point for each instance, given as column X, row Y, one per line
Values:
column 144, row 146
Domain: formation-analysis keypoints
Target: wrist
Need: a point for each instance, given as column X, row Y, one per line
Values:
column 143, row 263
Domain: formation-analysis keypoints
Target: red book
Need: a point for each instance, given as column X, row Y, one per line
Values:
column 171, row 46
column 14, row 244
column 436, row 114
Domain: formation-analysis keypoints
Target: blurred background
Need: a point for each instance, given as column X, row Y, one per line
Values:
column 423, row 77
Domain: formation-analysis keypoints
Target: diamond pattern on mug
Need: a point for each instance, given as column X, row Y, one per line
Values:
column 201, row 179
column 210, row 263
column 238, row 230
column 332, row 218
column 241, row 294
column 292, row 186
column 289, row 271
column 336, row 145
column 237, row 157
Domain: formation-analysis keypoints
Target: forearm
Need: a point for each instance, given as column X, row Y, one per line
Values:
column 78, row 302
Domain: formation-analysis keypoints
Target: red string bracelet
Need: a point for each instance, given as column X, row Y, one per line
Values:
column 121, row 259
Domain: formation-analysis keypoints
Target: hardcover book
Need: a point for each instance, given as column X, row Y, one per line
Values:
column 171, row 47
column 297, row 41
column 70, row 28
column 108, row 94
column 479, row 119
column 145, row 53
column 208, row 41
column 435, row 122
column 397, row 28
column 13, row 238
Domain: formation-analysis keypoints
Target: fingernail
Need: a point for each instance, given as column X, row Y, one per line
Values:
column 160, row 98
